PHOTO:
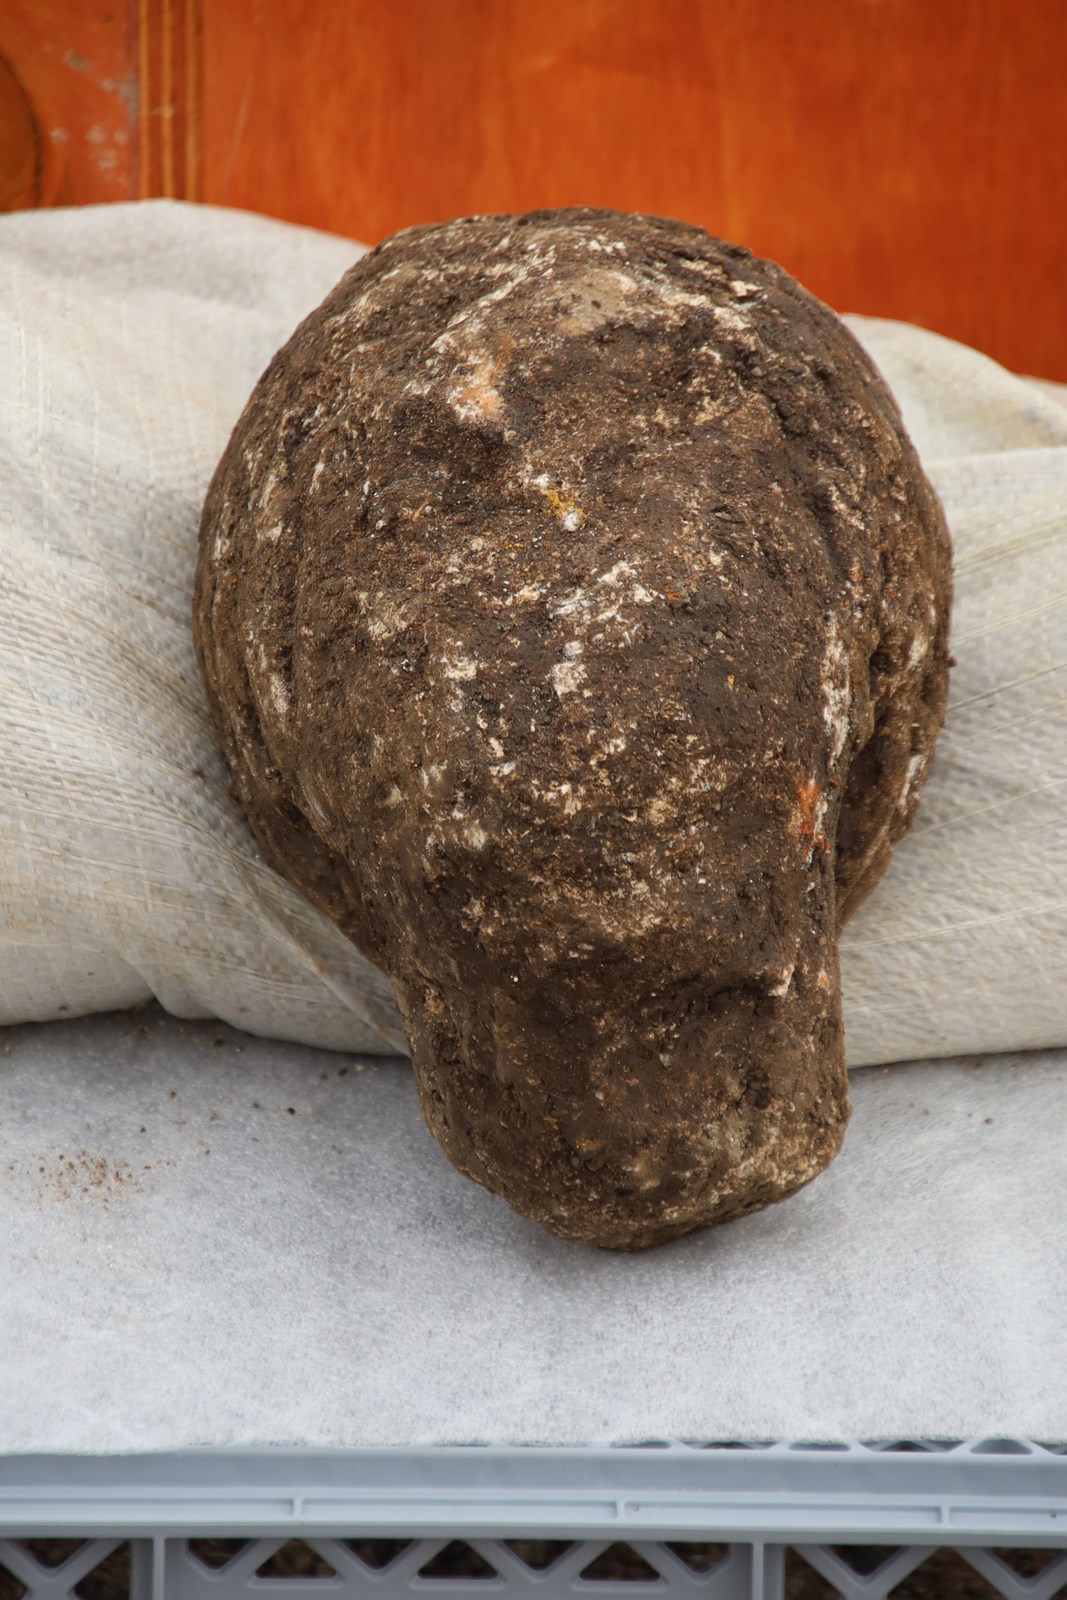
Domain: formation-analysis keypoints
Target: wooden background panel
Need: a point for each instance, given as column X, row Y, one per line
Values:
column 74, row 70
column 903, row 157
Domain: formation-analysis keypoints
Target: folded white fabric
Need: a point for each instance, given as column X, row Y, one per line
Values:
column 963, row 946
column 130, row 337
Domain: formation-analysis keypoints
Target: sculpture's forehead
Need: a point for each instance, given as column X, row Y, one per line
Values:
column 565, row 377
column 471, row 285
column 583, row 359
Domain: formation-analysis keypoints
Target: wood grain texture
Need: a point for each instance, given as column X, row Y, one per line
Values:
column 168, row 39
column 902, row 157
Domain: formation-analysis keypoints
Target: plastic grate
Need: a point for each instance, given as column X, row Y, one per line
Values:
column 458, row 1567
column 899, row 1519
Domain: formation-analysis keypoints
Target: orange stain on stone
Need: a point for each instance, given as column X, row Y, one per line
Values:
column 804, row 823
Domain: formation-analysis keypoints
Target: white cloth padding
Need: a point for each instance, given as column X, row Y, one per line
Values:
column 963, row 946
column 130, row 337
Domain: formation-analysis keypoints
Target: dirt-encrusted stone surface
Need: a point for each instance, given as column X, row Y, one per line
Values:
column 574, row 610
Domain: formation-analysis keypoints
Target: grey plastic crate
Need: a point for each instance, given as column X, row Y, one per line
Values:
column 714, row 1520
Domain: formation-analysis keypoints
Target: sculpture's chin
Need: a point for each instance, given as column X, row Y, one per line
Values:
column 648, row 1126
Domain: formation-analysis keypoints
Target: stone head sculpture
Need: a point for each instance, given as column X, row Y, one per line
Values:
column 574, row 610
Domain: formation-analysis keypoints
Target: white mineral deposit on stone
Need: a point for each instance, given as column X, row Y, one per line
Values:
column 730, row 318
column 836, row 692
column 279, row 694
column 567, row 675
column 460, row 668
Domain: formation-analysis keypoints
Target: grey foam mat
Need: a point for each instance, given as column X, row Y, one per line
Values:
column 207, row 1238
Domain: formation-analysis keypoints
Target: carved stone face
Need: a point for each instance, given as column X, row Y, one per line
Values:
column 574, row 609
